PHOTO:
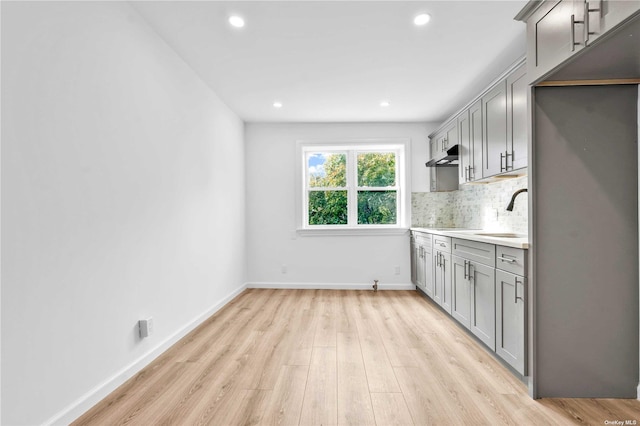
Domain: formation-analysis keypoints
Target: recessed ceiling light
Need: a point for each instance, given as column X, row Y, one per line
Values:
column 422, row 19
column 236, row 21
column 384, row 104
column 277, row 104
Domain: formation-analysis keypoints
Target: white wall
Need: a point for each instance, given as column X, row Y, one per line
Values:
column 122, row 198
column 271, row 220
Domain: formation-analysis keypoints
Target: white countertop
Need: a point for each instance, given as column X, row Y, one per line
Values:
column 513, row 240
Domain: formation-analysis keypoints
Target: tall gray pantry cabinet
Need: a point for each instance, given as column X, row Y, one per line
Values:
column 583, row 61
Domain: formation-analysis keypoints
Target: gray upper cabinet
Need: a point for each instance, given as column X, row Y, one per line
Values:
column 443, row 178
column 605, row 15
column 464, row 148
column 494, row 106
column 491, row 132
column 551, row 35
column 475, row 141
column 517, row 119
column 557, row 30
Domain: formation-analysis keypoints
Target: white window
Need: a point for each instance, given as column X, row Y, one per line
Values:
column 352, row 185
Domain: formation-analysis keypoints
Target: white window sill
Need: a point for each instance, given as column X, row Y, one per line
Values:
column 330, row 232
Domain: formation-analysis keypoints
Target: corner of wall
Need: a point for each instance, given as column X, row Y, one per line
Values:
column 95, row 395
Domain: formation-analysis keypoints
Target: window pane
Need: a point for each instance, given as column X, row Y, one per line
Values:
column 327, row 170
column 377, row 207
column 376, row 169
column 328, row 208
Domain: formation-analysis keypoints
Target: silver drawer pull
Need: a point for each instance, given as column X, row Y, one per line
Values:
column 504, row 259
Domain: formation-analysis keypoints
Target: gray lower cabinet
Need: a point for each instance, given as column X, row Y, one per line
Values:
column 421, row 263
column 428, row 271
column 442, row 271
column 483, row 302
column 474, row 288
column 483, row 286
column 461, row 284
column 511, row 293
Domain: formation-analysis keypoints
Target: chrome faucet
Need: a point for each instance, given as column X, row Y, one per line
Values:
column 513, row 198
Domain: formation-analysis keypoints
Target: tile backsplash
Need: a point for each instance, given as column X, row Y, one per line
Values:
column 475, row 206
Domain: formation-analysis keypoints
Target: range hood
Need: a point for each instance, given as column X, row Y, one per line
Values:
column 448, row 159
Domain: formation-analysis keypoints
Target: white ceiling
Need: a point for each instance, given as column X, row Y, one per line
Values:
column 335, row 61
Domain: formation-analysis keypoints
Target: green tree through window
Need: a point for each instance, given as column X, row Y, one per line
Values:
column 373, row 190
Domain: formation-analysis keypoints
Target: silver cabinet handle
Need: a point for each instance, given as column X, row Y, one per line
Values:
column 587, row 11
column 466, row 276
column 506, row 160
column 472, row 176
column 573, row 32
column 504, row 259
column 502, row 168
column 515, row 300
column 470, row 273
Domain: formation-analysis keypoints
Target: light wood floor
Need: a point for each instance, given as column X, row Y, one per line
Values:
column 311, row 357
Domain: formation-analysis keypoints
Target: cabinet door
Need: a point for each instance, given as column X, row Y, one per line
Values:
column 464, row 150
column 461, row 297
column 517, row 88
column 510, row 319
column 553, row 35
column 428, row 272
column 483, row 303
column 475, row 141
column 605, row 15
column 420, row 267
column 445, row 276
column 437, row 277
column 451, row 135
column 494, row 108
column 413, row 252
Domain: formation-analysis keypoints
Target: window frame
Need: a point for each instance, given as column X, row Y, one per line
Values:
column 400, row 146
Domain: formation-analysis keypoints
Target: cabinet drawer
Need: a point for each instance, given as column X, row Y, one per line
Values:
column 475, row 251
column 442, row 243
column 511, row 260
column 422, row 239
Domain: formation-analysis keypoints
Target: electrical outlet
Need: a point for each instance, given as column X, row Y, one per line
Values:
column 397, row 270
column 283, row 269
column 146, row 327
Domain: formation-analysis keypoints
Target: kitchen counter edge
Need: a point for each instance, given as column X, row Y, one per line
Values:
column 471, row 234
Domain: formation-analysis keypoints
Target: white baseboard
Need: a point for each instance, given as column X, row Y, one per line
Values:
column 330, row 286
column 98, row 393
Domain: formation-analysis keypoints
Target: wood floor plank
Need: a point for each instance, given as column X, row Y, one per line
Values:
column 354, row 401
column 391, row 409
column 320, row 405
column 380, row 374
column 285, row 405
column 327, row 325
column 310, row 357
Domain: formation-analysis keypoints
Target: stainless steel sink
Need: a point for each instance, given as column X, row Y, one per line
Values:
column 500, row 234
